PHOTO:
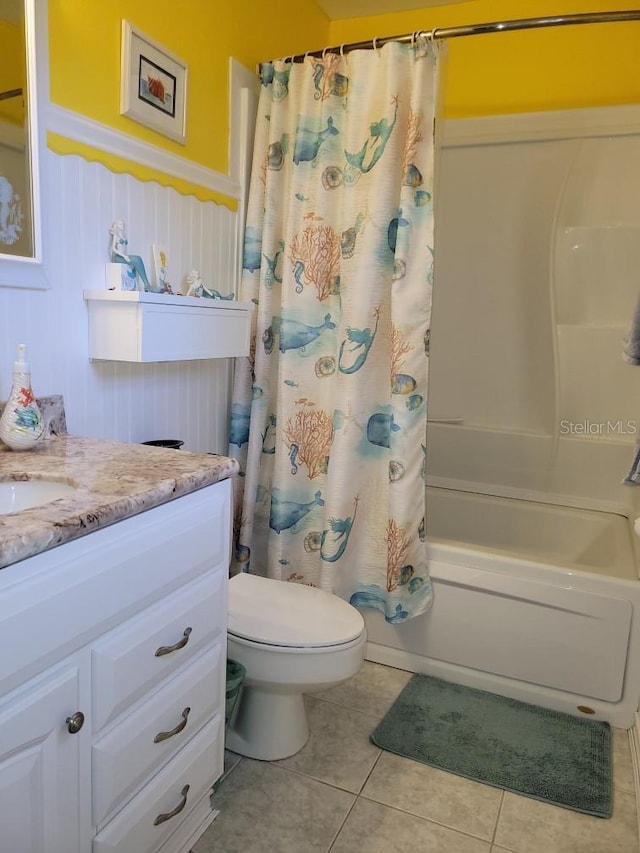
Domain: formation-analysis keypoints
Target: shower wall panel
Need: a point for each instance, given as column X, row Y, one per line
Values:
column 596, row 285
column 537, row 259
column 492, row 338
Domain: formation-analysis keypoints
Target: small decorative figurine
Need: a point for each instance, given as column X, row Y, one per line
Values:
column 161, row 265
column 136, row 276
column 196, row 287
column 10, row 213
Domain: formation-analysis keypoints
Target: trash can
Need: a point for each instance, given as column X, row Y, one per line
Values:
column 235, row 676
column 174, row 443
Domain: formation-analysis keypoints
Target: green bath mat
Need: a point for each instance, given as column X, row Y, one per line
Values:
column 532, row 751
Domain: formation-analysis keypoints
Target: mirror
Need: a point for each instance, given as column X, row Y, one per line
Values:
column 20, row 247
column 16, row 217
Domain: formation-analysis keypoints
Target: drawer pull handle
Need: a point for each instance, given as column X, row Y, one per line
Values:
column 166, row 650
column 163, row 817
column 75, row 722
column 166, row 735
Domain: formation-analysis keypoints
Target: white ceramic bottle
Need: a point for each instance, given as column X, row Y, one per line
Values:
column 21, row 426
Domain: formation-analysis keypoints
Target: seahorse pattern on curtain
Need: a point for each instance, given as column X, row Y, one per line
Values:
column 329, row 411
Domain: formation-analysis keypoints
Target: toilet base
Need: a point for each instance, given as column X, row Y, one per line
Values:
column 266, row 725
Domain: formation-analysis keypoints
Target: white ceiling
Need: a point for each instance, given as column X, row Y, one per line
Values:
column 337, row 9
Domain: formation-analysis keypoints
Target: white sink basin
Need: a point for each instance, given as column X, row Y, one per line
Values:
column 16, row 495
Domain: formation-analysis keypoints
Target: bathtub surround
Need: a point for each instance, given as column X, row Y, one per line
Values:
column 329, row 416
column 553, row 757
column 561, row 189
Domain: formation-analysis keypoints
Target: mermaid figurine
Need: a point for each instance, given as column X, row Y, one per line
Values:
column 118, row 254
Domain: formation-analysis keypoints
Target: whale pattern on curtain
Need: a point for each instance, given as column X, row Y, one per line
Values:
column 329, row 410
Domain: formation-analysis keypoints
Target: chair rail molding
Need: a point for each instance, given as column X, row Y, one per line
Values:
column 101, row 138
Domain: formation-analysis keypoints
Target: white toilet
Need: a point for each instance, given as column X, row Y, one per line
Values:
column 292, row 639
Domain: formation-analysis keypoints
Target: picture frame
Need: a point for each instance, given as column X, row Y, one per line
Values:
column 153, row 84
column 160, row 266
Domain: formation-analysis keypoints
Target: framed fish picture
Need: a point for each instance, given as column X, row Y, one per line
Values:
column 153, row 84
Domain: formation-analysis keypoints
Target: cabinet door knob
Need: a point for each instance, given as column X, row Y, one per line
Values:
column 75, row 722
column 166, row 650
column 162, row 817
column 166, row 735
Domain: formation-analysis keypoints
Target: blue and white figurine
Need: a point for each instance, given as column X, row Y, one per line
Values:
column 135, row 277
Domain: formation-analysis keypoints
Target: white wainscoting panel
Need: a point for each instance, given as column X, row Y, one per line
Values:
column 187, row 400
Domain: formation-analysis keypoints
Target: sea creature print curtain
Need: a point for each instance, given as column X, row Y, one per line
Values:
column 329, row 411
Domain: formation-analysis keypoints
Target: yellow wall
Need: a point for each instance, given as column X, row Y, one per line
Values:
column 84, row 45
column 543, row 69
column 12, row 71
column 555, row 68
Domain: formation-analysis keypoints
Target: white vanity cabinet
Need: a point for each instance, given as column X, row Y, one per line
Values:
column 112, row 683
column 40, row 767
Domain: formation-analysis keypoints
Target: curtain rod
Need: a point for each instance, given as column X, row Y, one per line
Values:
column 480, row 29
column 10, row 93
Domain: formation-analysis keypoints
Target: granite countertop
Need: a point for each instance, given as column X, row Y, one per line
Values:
column 114, row 481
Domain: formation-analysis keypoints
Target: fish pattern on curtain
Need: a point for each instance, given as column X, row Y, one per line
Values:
column 329, row 410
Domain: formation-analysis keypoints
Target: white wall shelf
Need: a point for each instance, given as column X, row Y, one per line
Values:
column 147, row 327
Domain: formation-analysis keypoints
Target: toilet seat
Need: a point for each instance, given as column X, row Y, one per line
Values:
column 289, row 615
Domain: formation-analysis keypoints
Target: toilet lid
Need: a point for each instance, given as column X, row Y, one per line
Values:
column 278, row 613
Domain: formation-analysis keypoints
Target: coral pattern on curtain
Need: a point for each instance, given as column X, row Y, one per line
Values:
column 329, row 411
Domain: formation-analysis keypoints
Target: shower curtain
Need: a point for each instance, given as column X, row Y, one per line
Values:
column 328, row 416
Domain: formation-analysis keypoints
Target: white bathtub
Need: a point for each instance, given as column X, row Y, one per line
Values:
column 533, row 601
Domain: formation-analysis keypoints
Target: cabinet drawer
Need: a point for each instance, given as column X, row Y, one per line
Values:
column 138, row 655
column 135, row 326
column 130, row 753
column 197, row 765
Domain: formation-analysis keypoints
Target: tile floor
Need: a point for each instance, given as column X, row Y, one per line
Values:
column 344, row 795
